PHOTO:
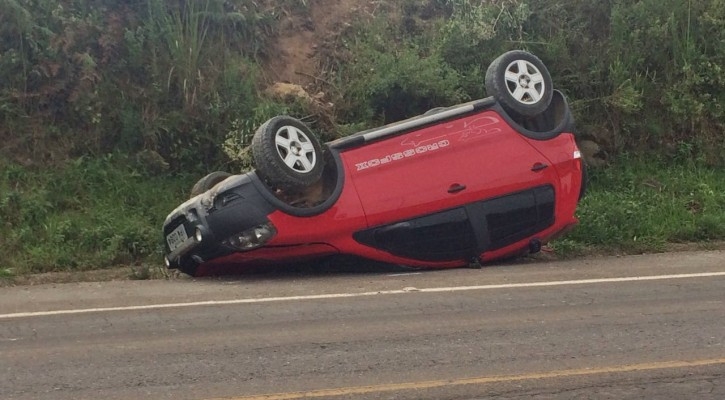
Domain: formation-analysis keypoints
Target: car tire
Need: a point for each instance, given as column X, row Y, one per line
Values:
column 520, row 82
column 208, row 182
column 286, row 154
column 189, row 269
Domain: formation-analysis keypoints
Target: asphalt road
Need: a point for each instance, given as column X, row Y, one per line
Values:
column 612, row 328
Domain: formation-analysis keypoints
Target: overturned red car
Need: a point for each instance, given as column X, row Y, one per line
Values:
column 455, row 186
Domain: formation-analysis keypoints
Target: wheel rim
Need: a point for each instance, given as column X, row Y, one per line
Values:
column 524, row 82
column 295, row 149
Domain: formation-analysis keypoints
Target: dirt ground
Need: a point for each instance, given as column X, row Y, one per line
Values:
column 299, row 50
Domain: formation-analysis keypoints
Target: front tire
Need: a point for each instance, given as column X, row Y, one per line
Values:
column 189, row 269
column 208, row 182
column 286, row 154
column 520, row 82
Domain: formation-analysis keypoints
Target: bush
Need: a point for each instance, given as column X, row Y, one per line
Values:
column 390, row 86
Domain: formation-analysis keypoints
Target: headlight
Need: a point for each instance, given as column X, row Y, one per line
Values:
column 252, row 238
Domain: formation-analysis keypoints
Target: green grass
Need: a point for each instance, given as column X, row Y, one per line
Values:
column 107, row 212
column 639, row 205
column 88, row 214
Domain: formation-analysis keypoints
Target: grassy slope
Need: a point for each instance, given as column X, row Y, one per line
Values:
column 642, row 205
column 98, row 213
column 92, row 213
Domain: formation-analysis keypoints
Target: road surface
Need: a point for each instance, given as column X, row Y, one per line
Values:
column 618, row 327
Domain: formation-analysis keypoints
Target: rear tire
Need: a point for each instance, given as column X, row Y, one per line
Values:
column 286, row 154
column 520, row 82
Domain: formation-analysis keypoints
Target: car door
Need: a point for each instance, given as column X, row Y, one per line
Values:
column 406, row 175
column 510, row 186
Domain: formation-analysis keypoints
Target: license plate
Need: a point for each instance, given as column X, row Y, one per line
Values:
column 176, row 238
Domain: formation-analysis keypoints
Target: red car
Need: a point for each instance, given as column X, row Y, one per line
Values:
column 456, row 186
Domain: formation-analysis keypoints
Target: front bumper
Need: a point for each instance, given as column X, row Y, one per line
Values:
column 210, row 219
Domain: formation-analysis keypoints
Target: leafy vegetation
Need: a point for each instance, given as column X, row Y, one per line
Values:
column 94, row 76
column 107, row 107
column 92, row 213
column 643, row 204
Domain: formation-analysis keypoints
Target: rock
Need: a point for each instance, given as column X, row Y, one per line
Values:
column 593, row 154
column 288, row 91
column 152, row 162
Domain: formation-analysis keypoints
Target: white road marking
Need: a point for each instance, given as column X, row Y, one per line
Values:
column 406, row 274
column 362, row 294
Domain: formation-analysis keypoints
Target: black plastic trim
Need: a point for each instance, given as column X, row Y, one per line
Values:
column 237, row 205
column 480, row 226
column 502, row 218
column 585, row 181
column 420, row 238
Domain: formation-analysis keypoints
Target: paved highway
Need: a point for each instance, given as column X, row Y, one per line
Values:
column 648, row 326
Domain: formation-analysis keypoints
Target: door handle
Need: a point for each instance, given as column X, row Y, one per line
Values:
column 456, row 187
column 539, row 167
